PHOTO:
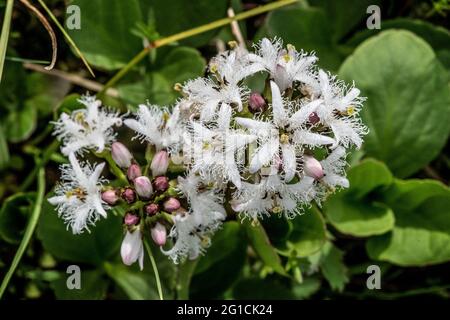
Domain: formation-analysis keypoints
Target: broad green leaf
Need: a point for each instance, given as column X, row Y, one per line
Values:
column 136, row 284
column 259, row 241
column 438, row 37
column 305, row 28
column 353, row 211
column 157, row 86
column 105, row 36
column 219, row 268
column 278, row 229
column 307, row 288
column 14, row 216
column 408, row 101
column 332, row 266
column 93, row 248
column 93, row 286
column 307, row 235
column 421, row 235
column 21, row 123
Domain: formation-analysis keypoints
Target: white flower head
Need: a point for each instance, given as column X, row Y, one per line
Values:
column 78, row 196
column 192, row 230
column 88, row 128
column 158, row 126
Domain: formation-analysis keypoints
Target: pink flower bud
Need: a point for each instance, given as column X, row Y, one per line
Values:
column 131, row 219
column 161, row 183
column 133, row 172
column 129, row 195
column 152, row 209
column 143, row 187
column 256, row 103
column 110, row 196
column 313, row 168
column 159, row 234
column 120, row 154
column 160, row 163
column 313, row 118
column 132, row 248
column 171, row 204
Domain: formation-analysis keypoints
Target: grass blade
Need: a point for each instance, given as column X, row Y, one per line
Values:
column 5, row 34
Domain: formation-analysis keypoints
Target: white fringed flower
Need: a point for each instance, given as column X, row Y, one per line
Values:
column 283, row 137
column 214, row 150
column 89, row 128
column 158, row 126
column 78, row 196
column 284, row 66
column 192, row 230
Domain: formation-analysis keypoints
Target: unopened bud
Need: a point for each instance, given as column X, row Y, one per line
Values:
column 171, row 204
column 256, row 103
column 159, row 234
column 143, row 187
column 313, row 168
column 133, row 172
column 151, row 209
column 161, row 183
column 313, row 118
column 129, row 195
column 160, row 163
column 121, row 155
column 131, row 219
column 132, row 248
column 110, row 196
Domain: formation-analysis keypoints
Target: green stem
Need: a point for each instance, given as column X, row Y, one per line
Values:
column 5, row 34
column 29, row 230
column 66, row 35
column 47, row 155
column 192, row 32
column 113, row 166
column 155, row 269
column 185, row 273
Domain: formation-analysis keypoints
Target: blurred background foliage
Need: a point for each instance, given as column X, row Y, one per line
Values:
column 396, row 214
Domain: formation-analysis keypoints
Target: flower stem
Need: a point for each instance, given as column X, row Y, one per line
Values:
column 113, row 166
column 155, row 268
column 34, row 218
column 192, row 32
column 185, row 273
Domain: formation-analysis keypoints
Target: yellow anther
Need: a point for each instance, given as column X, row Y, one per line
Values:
column 206, row 145
column 177, row 87
column 213, row 67
column 277, row 209
column 166, row 116
column 350, row 110
column 284, row 138
column 287, row 57
column 232, row 44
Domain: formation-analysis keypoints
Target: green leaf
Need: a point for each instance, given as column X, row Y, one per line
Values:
column 408, row 105
column 157, row 86
column 20, row 124
column 353, row 211
column 421, row 235
column 14, row 215
column 259, row 241
column 305, row 28
column 93, row 248
column 437, row 37
column 307, row 288
column 307, row 235
column 4, row 151
column 93, row 286
column 330, row 260
column 136, row 284
column 219, row 268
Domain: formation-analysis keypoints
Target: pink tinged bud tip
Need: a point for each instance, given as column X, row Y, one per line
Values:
column 132, row 248
column 171, row 205
column 121, row 155
column 131, row 219
column 313, row 168
column 152, row 209
column 143, row 187
column 161, row 183
column 129, row 195
column 133, row 172
column 256, row 103
column 110, row 196
column 313, row 118
column 159, row 234
column 160, row 163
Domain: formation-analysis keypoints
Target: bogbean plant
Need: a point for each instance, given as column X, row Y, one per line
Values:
column 222, row 152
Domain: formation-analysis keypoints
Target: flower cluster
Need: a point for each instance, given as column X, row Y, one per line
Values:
column 224, row 150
